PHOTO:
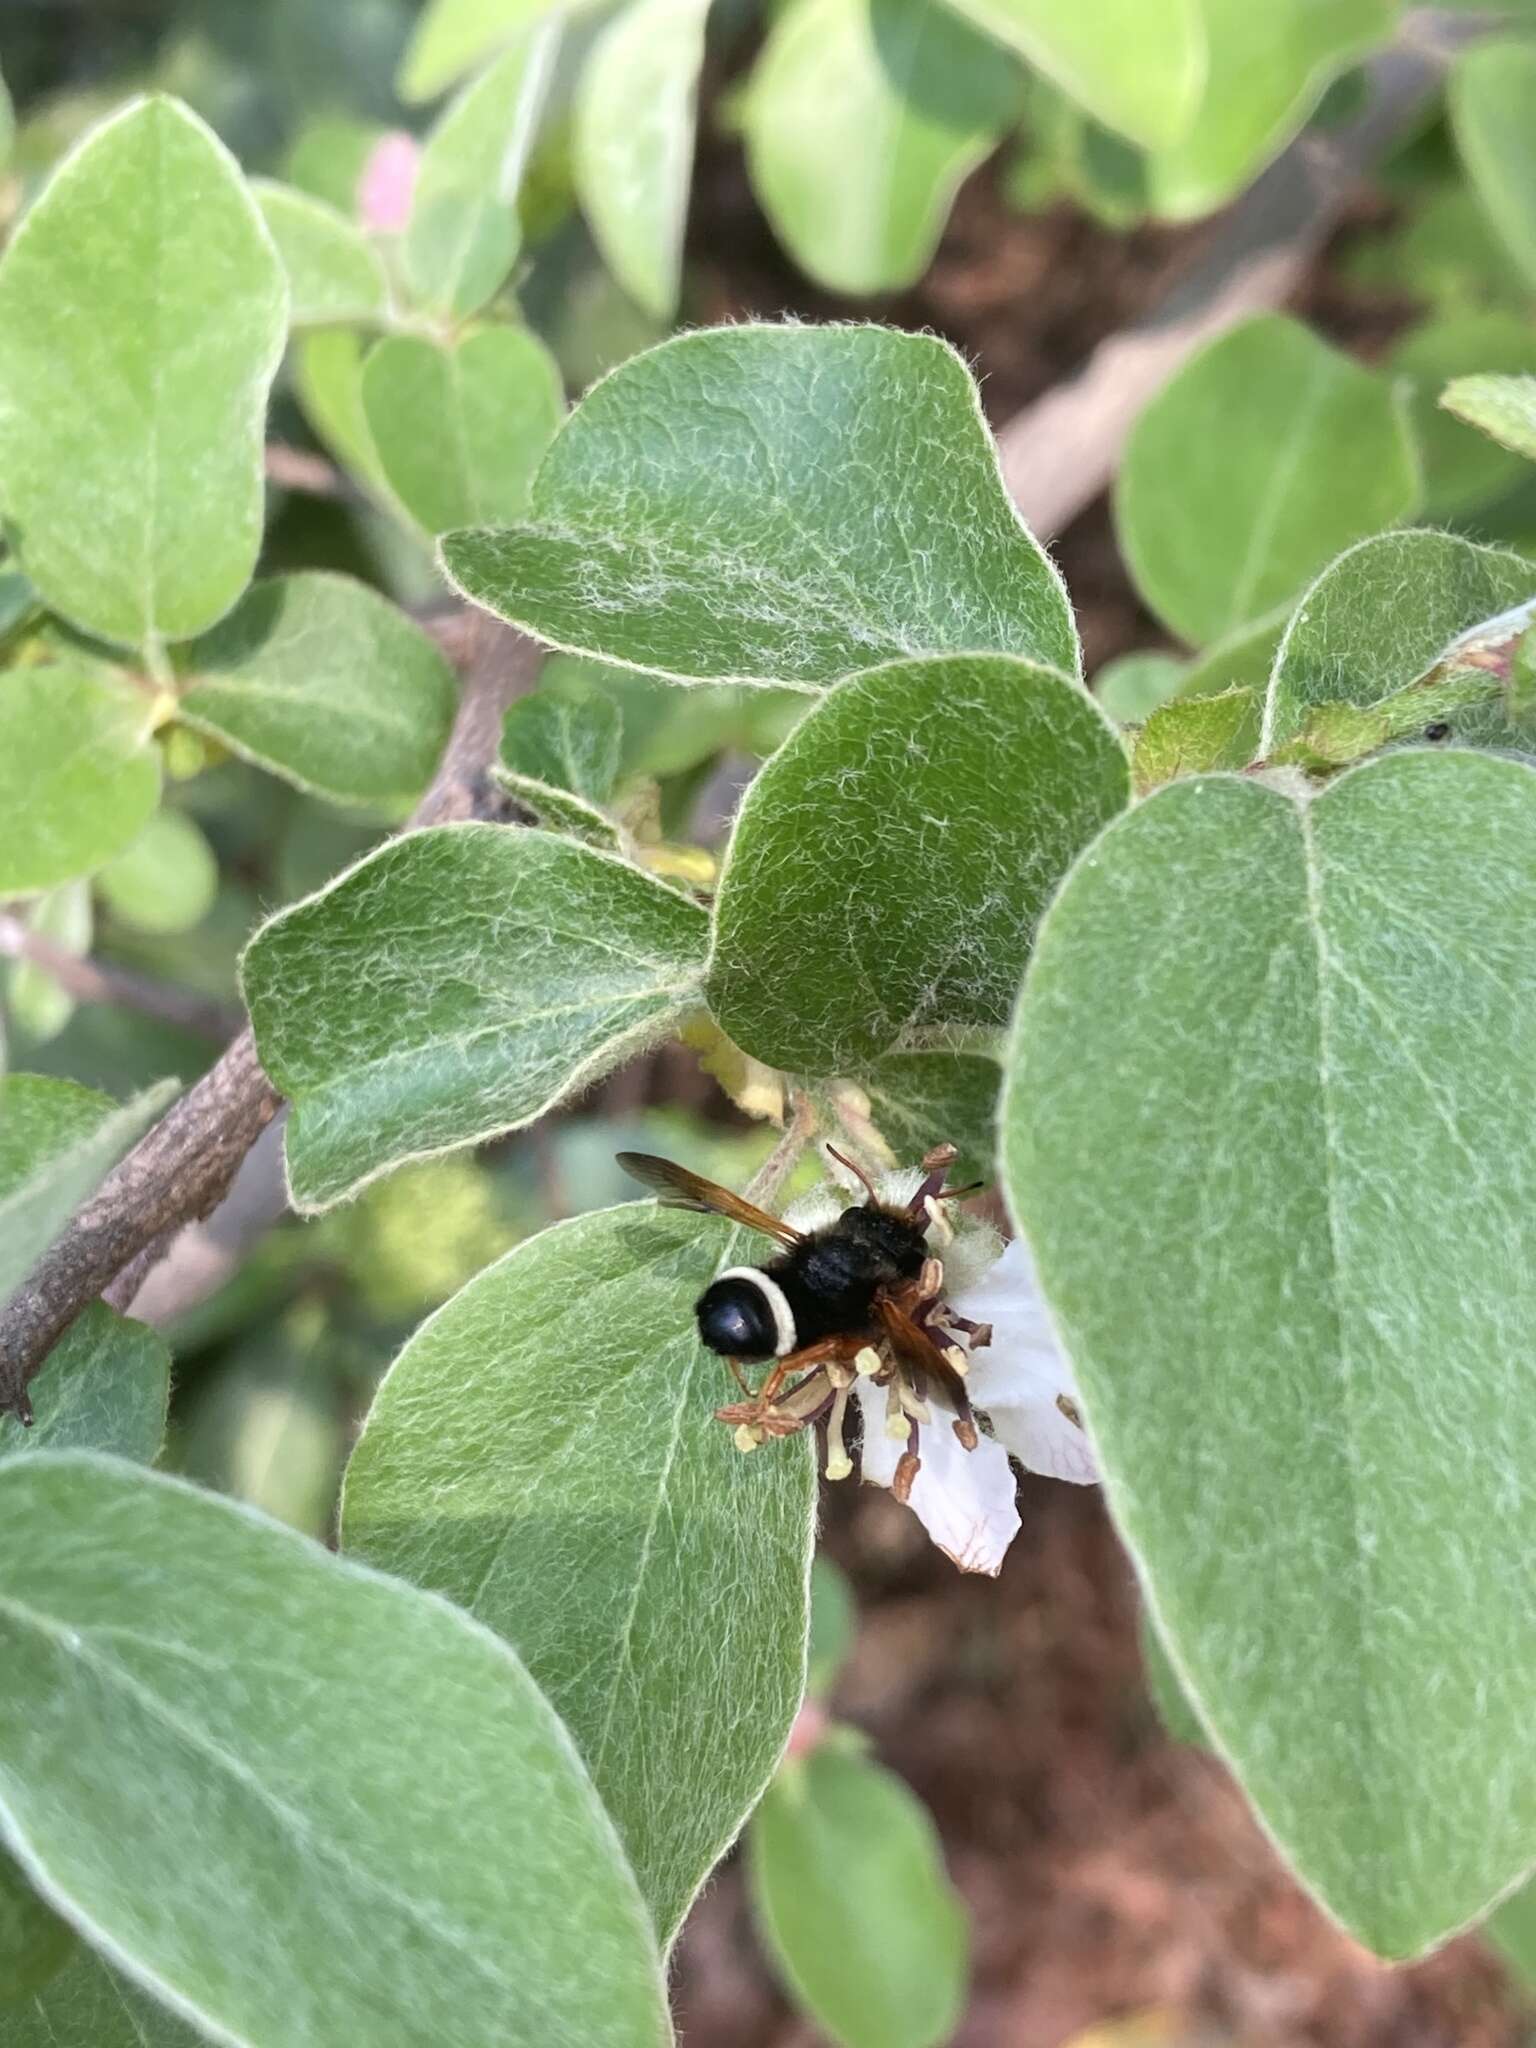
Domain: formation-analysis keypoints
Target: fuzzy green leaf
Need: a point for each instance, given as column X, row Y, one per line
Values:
column 1504, row 407
column 328, row 383
column 142, row 315
column 669, row 1626
column 459, row 252
column 39, row 1006
column 850, row 1894
column 459, row 430
column 1462, row 469
column 1382, row 615
column 1490, row 99
column 1275, row 1053
column 1192, row 735
column 452, row 37
column 166, row 880
column 482, row 142
column 1267, row 68
column 834, row 501
column 1136, row 65
column 88, row 2005
column 333, row 273
column 861, row 122
column 574, row 744
column 634, row 130
column 35, row 1945
column 1132, row 686
column 104, row 1387
column 57, row 1141
column 1262, row 458
column 212, row 1761
column 890, row 862
column 834, row 1624
column 79, row 774
column 1180, row 1722
column 324, row 682
column 1512, row 1931
column 453, row 985
column 921, row 1099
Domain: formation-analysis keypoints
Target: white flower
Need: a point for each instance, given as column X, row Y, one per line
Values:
column 964, row 1499
column 1023, row 1379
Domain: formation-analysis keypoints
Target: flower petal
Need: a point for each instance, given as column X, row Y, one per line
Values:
column 964, row 1499
column 1020, row 1378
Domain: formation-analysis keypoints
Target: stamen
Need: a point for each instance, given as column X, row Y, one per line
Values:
column 868, row 1361
column 1068, row 1408
column 939, row 1226
column 896, row 1426
column 930, row 1281
column 958, row 1357
column 749, row 1435
column 912, row 1403
column 839, row 1464
column 908, row 1465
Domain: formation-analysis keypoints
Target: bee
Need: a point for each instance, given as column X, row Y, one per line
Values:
column 866, row 1282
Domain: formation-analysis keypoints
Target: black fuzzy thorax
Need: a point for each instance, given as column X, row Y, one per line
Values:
column 830, row 1280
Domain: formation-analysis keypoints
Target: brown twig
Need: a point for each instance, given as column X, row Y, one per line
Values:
column 98, row 981
column 1061, row 452
column 181, row 1170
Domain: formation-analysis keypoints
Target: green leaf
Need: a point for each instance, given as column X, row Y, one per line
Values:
column 459, row 430
column 1261, row 458
column 452, row 37
column 862, row 119
column 230, row 1793
column 79, row 773
column 850, row 1895
column 1302, row 1129
column 1136, row 65
column 834, row 1624
column 1381, row 616
column 1192, row 735
column 104, row 1387
column 328, row 383
column 57, row 1140
column 570, row 743
column 1504, row 407
column 166, row 880
column 633, row 144
column 502, row 967
column 890, row 862
column 1490, row 103
column 459, row 252
column 669, row 1625
column 1512, row 1931
column 1132, row 686
column 35, row 1945
column 143, row 277
column 1267, row 69
column 921, row 1099
column 481, row 144
column 324, row 682
column 39, row 1006
column 333, row 272
column 1462, row 469
column 89, row 2006
column 835, row 502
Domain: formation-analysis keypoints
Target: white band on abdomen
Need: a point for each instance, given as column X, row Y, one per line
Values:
column 785, row 1339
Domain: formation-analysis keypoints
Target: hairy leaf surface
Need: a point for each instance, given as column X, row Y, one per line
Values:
column 1275, row 1054
column 553, row 1428
column 1504, row 407
column 79, row 774
column 88, row 2005
column 103, row 1387
column 334, row 275
column 773, row 504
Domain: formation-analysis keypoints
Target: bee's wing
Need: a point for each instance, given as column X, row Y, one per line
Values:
column 680, row 1189
column 915, row 1344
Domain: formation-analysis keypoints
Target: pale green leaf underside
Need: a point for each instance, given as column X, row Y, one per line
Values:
column 79, row 774
column 890, row 862
column 774, row 504
column 1383, row 614
column 544, row 1452
column 1490, row 101
column 302, row 1803
column 451, row 986
column 326, row 683
column 103, row 1387
column 861, row 120
column 634, row 128
column 144, row 278
column 57, row 1140
column 1504, row 407
column 848, row 1886
column 1136, row 65
column 451, row 37
column 334, row 276
column 481, row 143
column 1277, row 1058
column 1262, row 458
column 1268, row 66
column 458, row 430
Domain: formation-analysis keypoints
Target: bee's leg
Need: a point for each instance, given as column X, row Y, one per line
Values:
column 740, row 1377
column 842, row 1349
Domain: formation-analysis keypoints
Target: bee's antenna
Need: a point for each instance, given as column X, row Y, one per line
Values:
column 858, row 1171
